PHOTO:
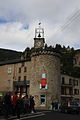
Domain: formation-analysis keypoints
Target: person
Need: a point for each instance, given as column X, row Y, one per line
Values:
column 32, row 104
column 1, row 106
column 26, row 104
column 14, row 100
column 52, row 105
column 7, row 105
column 18, row 108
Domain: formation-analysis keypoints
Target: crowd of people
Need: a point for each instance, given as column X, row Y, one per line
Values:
column 16, row 105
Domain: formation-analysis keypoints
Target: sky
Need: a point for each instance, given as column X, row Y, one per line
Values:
column 19, row 18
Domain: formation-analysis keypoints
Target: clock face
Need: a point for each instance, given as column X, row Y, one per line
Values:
column 38, row 44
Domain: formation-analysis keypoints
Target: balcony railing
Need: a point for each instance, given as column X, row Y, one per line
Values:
column 67, row 85
column 67, row 95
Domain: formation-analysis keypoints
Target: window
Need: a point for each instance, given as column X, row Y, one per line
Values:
column 63, row 90
column 19, row 78
column 42, row 100
column 19, row 70
column 22, row 64
column 70, row 81
column 76, row 91
column 8, row 83
column 75, row 62
column 9, row 69
column 70, row 91
column 25, row 69
column 63, row 80
column 75, row 82
column 24, row 78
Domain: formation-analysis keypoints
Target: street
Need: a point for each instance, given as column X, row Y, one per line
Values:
column 50, row 115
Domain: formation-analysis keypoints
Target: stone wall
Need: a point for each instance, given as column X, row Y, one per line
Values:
column 49, row 64
column 6, row 78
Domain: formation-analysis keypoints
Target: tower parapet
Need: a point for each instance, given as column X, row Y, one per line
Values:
column 44, row 52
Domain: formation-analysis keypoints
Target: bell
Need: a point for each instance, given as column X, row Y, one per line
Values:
column 39, row 35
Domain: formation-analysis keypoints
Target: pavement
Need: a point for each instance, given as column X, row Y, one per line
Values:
column 28, row 115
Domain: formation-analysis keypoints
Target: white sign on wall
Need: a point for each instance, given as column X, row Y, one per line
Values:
column 43, row 75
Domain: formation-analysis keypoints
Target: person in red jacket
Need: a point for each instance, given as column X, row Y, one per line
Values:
column 14, row 101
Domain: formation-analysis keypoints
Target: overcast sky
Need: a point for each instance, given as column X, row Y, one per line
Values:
column 19, row 18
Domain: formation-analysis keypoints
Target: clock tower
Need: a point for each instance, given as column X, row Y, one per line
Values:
column 39, row 37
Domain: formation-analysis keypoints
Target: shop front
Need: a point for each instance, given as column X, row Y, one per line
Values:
column 21, row 87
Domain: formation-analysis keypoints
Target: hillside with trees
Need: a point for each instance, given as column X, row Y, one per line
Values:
column 67, row 56
column 6, row 55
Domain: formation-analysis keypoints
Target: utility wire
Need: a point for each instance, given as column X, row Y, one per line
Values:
column 71, row 20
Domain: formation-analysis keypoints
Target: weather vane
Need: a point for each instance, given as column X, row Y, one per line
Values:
column 39, row 23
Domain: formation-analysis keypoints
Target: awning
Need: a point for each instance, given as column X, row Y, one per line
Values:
column 21, row 83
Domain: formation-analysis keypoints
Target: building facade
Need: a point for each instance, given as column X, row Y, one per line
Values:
column 76, row 60
column 70, row 88
column 37, row 74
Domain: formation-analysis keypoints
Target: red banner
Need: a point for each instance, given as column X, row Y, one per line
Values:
column 43, row 82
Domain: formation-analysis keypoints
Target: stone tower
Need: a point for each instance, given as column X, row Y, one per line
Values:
column 45, row 72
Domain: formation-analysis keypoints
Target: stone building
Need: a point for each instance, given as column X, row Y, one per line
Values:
column 76, row 60
column 70, row 88
column 37, row 73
